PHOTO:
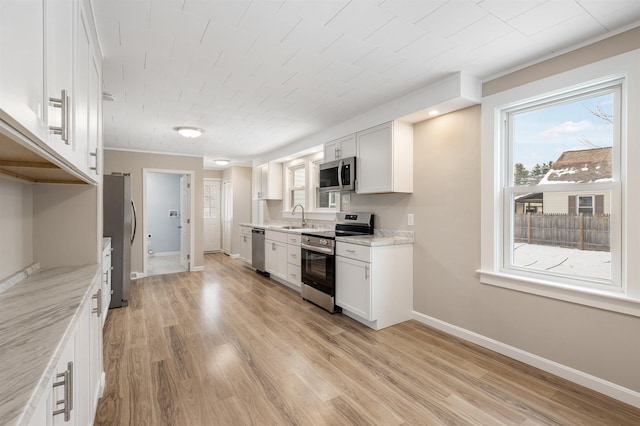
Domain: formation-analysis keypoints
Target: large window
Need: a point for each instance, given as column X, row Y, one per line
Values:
column 563, row 147
column 561, row 189
column 297, row 184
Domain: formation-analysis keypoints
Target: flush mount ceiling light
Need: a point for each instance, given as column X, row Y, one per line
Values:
column 221, row 162
column 434, row 112
column 189, row 132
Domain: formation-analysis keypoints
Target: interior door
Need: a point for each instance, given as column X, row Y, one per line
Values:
column 227, row 216
column 212, row 212
column 185, row 221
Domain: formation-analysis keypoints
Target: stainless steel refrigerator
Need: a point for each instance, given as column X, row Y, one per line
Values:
column 120, row 225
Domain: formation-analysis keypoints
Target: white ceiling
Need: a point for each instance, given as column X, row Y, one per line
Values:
column 257, row 75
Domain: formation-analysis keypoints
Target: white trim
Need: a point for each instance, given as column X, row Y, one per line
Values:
column 197, row 268
column 145, row 249
column 623, row 298
column 234, row 256
column 143, row 151
column 597, row 384
column 164, row 253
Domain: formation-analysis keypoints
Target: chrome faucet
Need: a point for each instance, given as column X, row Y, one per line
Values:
column 304, row 222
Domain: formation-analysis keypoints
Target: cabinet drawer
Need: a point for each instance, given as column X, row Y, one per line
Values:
column 276, row 236
column 293, row 239
column 293, row 274
column 353, row 251
column 245, row 230
column 293, row 254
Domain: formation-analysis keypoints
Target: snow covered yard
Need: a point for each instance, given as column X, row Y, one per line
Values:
column 596, row 264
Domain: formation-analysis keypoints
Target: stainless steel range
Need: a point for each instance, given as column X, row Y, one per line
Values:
column 318, row 258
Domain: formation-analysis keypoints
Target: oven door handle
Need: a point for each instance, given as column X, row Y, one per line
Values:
column 324, row 250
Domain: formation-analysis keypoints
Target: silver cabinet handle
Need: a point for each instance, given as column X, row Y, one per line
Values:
column 294, row 256
column 67, row 382
column 366, row 272
column 273, row 246
column 350, row 251
column 95, row 154
column 98, row 308
column 63, row 104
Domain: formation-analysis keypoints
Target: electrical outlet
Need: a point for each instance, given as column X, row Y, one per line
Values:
column 410, row 219
column 346, row 198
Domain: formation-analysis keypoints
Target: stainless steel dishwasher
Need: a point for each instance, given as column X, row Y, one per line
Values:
column 257, row 251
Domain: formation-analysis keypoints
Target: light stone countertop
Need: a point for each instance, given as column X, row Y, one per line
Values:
column 380, row 237
column 37, row 317
column 279, row 227
column 105, row 242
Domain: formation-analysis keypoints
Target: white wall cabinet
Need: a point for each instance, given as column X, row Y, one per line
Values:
column 340, row 148
column 384, row 158
column 275, row 254
column 267, row 181
column 245, row 243
column 374, row 285
column 22, row 48
column 48, row 90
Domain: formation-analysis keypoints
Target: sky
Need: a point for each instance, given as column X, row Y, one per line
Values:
column 542, row 135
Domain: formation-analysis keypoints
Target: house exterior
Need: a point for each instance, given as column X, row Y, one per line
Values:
column 580, row 166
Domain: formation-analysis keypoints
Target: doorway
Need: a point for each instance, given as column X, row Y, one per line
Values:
column 211, row 216
column 227, row 216
column 167, row 213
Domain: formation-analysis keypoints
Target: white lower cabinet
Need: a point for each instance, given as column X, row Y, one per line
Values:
column 106, row 281
column 374, row 285
column 294, row 260
column 71, row 397
column 275, row 253
column 245, row 243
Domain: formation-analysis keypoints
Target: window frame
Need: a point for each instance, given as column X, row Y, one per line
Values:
column 291, row 188
column 311, row 183
column 625, row 295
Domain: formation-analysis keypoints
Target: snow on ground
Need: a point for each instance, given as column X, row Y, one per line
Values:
column 596, row 264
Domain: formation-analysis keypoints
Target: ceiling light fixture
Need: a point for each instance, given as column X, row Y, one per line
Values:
column 434, row 112
column 189, row 132
column 221, row 162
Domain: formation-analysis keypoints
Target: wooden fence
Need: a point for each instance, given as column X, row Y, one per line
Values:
column 584, row 232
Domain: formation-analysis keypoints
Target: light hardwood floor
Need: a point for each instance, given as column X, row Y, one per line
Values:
column 229, row 347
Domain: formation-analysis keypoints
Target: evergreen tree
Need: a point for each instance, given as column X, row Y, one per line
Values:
column 520, row 175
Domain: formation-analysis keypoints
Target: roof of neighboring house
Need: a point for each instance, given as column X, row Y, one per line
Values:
column 530, row 197
column 585, row 165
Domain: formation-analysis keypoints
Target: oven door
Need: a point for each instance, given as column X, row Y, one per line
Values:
column 318, row 270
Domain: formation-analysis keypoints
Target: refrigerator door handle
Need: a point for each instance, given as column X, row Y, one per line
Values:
column 135, row 222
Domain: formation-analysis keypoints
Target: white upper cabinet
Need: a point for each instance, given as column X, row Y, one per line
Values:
column 22, row 53
column 50, row 84
column 340, row 148
column 385, row 158
column 267, row 181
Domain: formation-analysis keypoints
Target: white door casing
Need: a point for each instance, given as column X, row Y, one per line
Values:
column 211, row 221
column 227, row 216
column 185, row 221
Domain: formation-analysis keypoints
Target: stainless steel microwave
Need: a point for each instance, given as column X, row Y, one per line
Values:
column 338, row 175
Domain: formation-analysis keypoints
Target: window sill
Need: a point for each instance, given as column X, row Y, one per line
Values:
column 610, row 301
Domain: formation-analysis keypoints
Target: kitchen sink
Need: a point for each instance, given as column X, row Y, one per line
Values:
column 291, row 227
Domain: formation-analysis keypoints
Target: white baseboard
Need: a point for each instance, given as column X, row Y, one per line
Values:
column 235, row 256
column 597, row 384
column 165, row 253
column 137, row 275
column 197, row 268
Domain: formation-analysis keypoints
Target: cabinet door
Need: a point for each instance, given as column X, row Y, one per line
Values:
column 106, row 282
column 331, row 150
column 276, row 258
column 95, row 352
column 94, row 99
column 60, row 401
column 245, row 247
column 59, row 39
column 22, row 94
column 353, row 286
column 374, row 160
column 81, row 92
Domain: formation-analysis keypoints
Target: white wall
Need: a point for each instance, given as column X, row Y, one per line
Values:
column 16, row 226
column 163, row 194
